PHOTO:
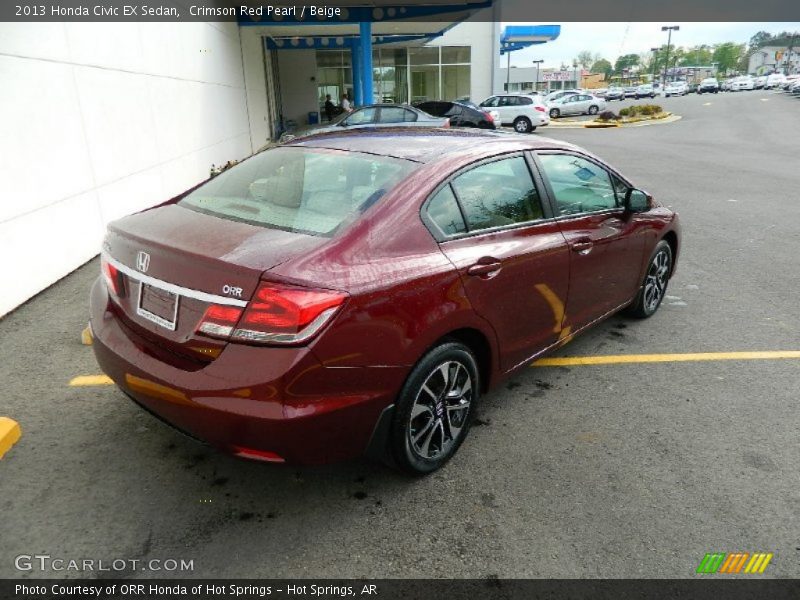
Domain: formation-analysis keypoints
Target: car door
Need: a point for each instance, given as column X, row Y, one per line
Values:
column 606, row 242
column 493, row 103
column 493, row 225
column 568, row 105
column 582, row 103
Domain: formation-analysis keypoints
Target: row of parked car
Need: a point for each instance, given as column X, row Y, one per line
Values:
column 526, row 112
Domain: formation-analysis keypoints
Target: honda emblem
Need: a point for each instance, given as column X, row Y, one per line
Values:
column 142, row 261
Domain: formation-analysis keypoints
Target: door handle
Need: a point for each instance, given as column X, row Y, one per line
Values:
column 582, row 246
column 485, row 269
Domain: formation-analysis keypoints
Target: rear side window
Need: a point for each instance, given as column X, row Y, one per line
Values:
column 498, row 193
column 395, row 114
column 524, row 100
column 579, row 185
column 304, row 190
column 444, row 212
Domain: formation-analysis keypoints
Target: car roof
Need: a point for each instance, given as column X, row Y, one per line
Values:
column 426, row 145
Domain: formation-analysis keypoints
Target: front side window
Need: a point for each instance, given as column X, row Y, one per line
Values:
column 491, row 102
column 303, row 190
column 579, row 185
column 497, row 194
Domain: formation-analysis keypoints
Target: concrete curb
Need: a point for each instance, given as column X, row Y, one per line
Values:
column 10, row 433
column 594, row 125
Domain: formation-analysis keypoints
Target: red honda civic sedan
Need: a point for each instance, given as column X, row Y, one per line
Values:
column 356, row 292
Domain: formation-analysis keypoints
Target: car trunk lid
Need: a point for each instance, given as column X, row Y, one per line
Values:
column 173, row 263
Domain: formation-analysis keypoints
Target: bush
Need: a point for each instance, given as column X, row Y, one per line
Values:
column 608, row 115
column 646, row 110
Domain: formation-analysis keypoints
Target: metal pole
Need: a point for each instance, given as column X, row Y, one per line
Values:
column 655, row 62
column 508, row 72
column 666, row 60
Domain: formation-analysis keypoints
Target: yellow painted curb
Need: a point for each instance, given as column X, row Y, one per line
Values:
column 10, row 433
column 86, row 380
column 86, row 336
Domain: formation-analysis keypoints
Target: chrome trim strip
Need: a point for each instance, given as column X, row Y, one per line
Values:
column 171, row 287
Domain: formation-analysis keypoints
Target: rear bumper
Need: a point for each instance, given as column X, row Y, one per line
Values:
column 264, row 399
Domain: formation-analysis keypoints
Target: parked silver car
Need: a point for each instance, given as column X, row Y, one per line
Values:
column 576, row 104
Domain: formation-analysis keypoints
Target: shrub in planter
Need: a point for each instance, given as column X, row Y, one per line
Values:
column 608, row 115
column 625, row 112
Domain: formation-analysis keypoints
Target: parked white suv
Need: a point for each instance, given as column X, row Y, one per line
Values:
column 522, row 111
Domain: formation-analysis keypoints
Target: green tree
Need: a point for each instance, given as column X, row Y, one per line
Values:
column 697, row 55
column 626, row 61
column 603, row 66
column 762, row 38
column 585, row 59
column 727, row 56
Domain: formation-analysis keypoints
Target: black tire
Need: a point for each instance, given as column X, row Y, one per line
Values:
column 423, row 442
column 523, row 125
column 654, row 285
column 554, row 113
column 593, row 109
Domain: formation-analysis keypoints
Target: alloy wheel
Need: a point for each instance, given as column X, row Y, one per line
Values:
column 440, row 410
column 521, row 126
column 655, row 284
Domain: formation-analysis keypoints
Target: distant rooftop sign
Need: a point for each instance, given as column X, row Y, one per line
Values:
column 517, row 37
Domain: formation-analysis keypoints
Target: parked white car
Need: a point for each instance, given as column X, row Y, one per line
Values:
column 522, row 111
column 646, row 90
column 676, row 88
column 774, row 80
column 557, row 95
column 576, row 104
column 789, row 81
column 742, row 83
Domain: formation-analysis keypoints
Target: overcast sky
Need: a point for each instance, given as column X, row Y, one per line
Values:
column 611, row 40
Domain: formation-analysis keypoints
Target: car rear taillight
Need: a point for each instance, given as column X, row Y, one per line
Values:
column 540, row 108
column 219, row 321
column 446, row 123
column 277, row 314
column 112, row 276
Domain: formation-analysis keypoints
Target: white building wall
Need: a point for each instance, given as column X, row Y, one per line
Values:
column 481, row 36
column 103, row 119
column 298, row 72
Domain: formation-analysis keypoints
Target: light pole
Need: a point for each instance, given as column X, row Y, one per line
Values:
column 655, row 62
column 670, row 29
column 536, row 83
column 575, row 72
column 508, row 73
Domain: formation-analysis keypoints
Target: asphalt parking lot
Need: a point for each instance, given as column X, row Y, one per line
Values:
column 615, row 470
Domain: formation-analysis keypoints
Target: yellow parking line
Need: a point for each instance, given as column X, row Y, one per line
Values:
column 82, row 380
column 10, row 433
column 615, row 359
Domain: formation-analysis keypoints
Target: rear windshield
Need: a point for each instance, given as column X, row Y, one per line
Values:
column 303, row 190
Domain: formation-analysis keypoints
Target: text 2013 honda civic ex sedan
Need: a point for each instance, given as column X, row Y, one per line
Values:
column 355, row 293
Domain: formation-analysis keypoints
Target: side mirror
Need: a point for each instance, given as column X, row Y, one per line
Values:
column 636, row 201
